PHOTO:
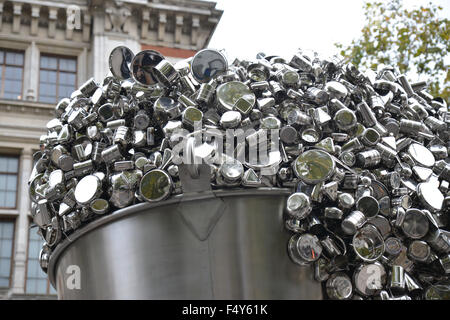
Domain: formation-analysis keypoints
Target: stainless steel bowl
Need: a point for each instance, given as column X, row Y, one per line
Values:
column 215, row 245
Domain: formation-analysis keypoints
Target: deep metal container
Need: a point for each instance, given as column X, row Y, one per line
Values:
column 216, row 245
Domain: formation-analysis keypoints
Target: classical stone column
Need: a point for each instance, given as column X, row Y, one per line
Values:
column 21, row 238
column 31, row 72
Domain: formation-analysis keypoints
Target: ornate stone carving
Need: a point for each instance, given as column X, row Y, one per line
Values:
column 117, row 16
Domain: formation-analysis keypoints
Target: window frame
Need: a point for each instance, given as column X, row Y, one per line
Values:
column 4, row 65
column 47, row 290
column 17, row 180
column 58, row 57
column 6, row 218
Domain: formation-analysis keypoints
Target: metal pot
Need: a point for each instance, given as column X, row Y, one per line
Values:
column 211, row 245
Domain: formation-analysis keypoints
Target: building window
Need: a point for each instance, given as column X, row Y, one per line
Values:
column 6, row 250
column 9, row 167
column 37, row 280
column 11, row 71
column 57, row 78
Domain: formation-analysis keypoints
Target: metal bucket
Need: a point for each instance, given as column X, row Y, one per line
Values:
column 219, row 245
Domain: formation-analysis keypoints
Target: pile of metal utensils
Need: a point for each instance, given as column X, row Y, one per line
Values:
column 365, row 155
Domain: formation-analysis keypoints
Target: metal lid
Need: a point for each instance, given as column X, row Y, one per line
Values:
column 120, row 61
column 305, row 248
column 258, row 72
column 230, row 92
column 345, row 119
column 415, row 224
column 310, row 135
column 166, row 106
column 142, row 66
column 419, row 251
column 314, row 166
column 421, row 155
column 369, row 279
column 99, row 206
column 430, row 196
column 87, row 189
column 232, row 171
column 336, row 90
column 56, row 177
column 368, row 243
column 339, row 286
column 230, row 119
column 298, row 205
column 368, row 205
column 155, row 185
column 207, row 64
column 393, row 246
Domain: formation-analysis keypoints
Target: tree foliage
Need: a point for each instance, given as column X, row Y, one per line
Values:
column 413, row 40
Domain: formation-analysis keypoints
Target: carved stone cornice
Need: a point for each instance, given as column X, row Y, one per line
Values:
column 45, row 11
column 187, row 24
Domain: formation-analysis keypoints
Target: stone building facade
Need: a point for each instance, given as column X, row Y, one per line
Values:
column 47, row 49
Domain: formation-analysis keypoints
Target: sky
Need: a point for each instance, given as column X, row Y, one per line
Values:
column 279, row 27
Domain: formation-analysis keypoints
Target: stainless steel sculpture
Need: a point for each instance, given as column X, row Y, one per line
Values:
column 347, row 173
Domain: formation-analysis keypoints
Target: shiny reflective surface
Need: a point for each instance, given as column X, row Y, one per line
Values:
column 232, row 171
column 86, row 189
column 314, row 166
column 339, row 286
column 230, row 92
column 369, row 279
column 298, row 205
column 415, row 224
column 143, row 64
column 310, row 135
column 345, row 119
column 120, row 62
column 183, row 266
column 421, row 155
column 208, row 63
column 166, row 106
column 368, row 244
column 430, row 196
column 396, row 160
column 155, row 185
column 99, row 206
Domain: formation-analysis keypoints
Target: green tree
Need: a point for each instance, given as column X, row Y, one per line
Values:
column 413, row 40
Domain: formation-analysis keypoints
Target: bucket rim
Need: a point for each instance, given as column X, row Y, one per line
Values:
column 144, row 207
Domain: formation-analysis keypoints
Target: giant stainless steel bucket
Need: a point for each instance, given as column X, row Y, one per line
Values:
column 218, row 245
